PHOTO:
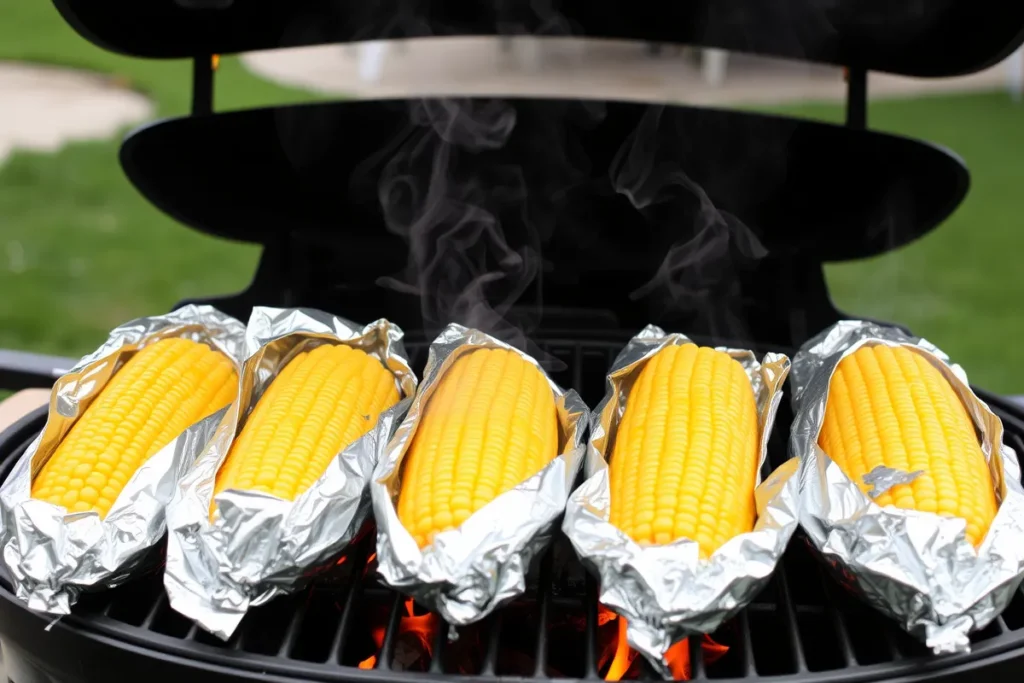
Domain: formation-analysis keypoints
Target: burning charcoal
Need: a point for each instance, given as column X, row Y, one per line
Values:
column 924, row 477
column 682, row 537
column 460, row 535
column 122, row 424
column 260, row 514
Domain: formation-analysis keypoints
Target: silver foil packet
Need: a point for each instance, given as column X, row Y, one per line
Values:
column 668, row 592
column 54, row 555
column 916, row 567
column 470, row 571
column 259, row 546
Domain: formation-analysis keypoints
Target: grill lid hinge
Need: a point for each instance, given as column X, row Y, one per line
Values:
column 203, row 68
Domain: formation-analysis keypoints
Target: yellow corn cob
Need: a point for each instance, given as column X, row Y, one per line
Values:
column 684, row 460
column 890, row 407
column 322, row 401
column 159, row 392
column 490, row 425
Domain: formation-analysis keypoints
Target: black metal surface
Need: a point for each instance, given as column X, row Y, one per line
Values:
column 307, row 182
column 803, row 627
column 202, row 85
column 937, row 38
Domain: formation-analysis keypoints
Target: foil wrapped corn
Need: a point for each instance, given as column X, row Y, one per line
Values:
column 475, row 476
column 280, row 490
column 890, row 408
column 321, row 401
column 900, row 459
column 490, row 425
column 161, row 390
column 673, row 517
column 85, row 504
column 685, row 457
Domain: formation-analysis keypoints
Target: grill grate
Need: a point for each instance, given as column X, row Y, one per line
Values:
column 802, row 623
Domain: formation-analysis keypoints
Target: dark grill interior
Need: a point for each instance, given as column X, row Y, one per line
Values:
column 802, row 623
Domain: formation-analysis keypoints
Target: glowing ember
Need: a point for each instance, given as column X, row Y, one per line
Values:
column 623, row 663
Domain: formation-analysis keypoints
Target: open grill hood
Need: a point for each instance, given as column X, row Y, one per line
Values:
column 935, row 38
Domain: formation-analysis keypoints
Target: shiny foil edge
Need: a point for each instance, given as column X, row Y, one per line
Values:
column 52, row 555
column 917, row 568
column 667, row 592
column 260, row 546
column 470, row 571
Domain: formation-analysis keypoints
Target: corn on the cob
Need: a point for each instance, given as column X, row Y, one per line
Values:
column 684, row 461
column 490, row 425
column 322, row 401
column 161, row 390
column 890, row 407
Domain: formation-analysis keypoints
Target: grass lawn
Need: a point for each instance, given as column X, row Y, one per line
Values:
column 80, row 251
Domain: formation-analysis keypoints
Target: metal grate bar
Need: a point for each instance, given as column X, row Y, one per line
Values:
column 746, row 645
column 697, row 671
column 493, row 642
column 786, row 607
column 337, row 649
column 890, row 642
column 440, row 643
column 838, row 623
column 291, row 635
column 340, row 636
column 542, row 613
column 387, row 649
column 590, row 651
column 154, row 611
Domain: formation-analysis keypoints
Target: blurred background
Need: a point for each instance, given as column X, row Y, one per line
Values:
column 81, row 251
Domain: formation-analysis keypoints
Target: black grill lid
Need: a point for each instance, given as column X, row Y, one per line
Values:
column 934, row 38
column 827, row 192
column 305, row 181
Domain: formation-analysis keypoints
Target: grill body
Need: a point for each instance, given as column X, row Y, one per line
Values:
column 801, row 628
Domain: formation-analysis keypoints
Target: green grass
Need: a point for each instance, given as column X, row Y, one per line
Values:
column 81, row 251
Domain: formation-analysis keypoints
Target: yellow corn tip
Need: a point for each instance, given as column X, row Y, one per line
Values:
column 490, row 425
column 160, row 391
column 321, row 402
column 684, row 459
column 891, row 407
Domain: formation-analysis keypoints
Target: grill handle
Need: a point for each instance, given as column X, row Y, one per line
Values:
column 24, row 370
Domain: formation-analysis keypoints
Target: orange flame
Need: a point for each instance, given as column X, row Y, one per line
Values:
column 419, row 629
column 624, row 660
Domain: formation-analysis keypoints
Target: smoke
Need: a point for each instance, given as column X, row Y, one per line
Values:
column 461, row 263
column 700, row 273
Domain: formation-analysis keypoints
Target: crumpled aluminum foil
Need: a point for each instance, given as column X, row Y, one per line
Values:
column 667, row 592
column 54, row 555
column 470, row 571
column 916, row 567
column 260, row 546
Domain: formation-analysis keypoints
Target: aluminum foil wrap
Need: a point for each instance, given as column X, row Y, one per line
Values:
column 259, row 546
column 668, row 592
column 916, row 567
column 469, row 571
column 53, row 555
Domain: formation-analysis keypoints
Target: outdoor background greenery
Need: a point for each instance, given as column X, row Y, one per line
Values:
column 81, row 251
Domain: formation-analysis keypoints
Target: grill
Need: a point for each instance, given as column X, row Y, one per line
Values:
column 810, row 192
column 801, row 628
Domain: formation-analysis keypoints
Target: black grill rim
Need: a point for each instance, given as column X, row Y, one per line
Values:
column 110, row 633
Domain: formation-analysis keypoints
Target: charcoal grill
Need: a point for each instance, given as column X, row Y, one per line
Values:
column 809, row 192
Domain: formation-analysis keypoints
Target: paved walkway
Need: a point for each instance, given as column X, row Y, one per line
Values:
column 42, row 108
column 559, row 67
